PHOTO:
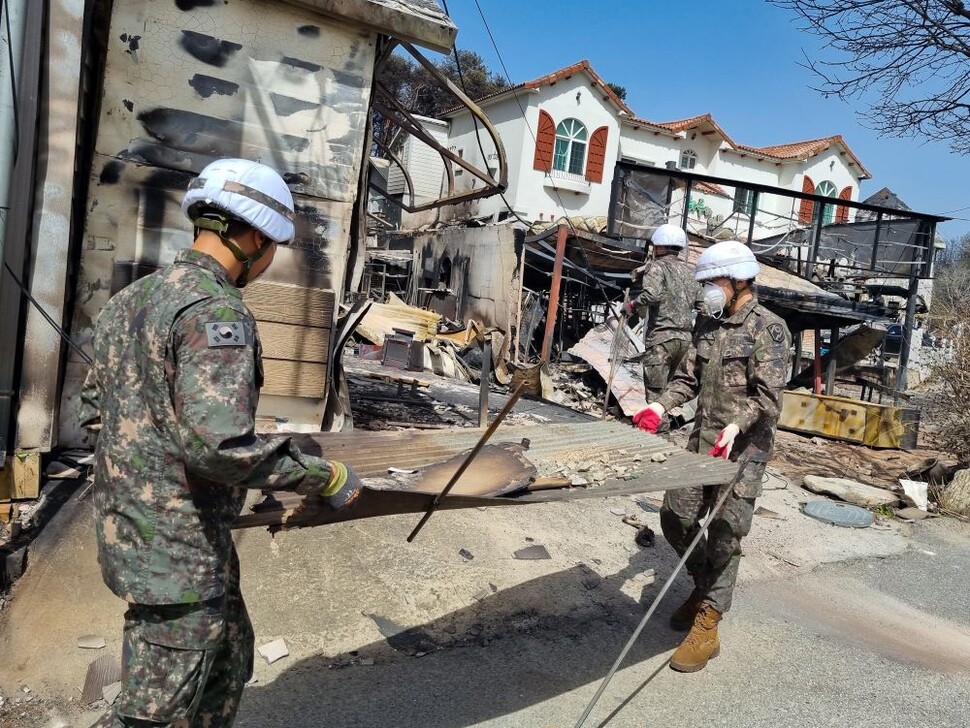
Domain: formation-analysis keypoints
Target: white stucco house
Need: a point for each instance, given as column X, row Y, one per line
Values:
column 564, row 132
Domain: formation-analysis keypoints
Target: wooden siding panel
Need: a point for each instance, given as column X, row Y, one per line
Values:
column 298, row 343
column 290, row 304
column 294, row 378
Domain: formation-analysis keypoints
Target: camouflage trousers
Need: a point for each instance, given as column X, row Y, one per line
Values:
column 659, row 364
column 714, row 562
column 184, row 665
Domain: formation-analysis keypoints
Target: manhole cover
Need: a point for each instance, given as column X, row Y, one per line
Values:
column 840, row 514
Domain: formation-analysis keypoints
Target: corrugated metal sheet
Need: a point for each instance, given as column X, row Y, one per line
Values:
column 596, row 348
column 371, row 453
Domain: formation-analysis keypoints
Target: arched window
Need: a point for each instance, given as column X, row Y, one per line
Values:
column 688, row 159
column 827, row 189
column 570, row 154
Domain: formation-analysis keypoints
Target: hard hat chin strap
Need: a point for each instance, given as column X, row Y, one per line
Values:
column 220, row 226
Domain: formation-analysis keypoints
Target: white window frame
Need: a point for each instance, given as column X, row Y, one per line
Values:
column 572, row 132
column 826, row 211
column 688, row 159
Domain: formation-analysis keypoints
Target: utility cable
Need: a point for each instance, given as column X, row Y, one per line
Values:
column 13, row 76
column 670, row 580
column 56, row 326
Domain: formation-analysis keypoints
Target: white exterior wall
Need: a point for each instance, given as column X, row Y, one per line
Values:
column 506, row 117
column 423, row 164
column 645, row 146
column 536, row 193
column 530, row 191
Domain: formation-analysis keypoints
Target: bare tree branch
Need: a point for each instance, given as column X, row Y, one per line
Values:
column 907, row 60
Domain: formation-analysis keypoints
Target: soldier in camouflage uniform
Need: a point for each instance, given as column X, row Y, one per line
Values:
column 737, row 366
column 666, row 303
column 172, row 393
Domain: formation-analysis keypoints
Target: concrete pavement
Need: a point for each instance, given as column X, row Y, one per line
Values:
column 495, row 641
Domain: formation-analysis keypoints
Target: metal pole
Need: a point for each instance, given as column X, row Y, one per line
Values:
column 518, row 308
column 553, row 312
column 904, row 345
column 754, row 211
column 728, row 489
column 875, row 241
column 468, row 460
column 687, row 191
column 816, row 239
column 615, row 352
column 483, row 384
column 818, row 361
column 830, row 371
column 797, row 360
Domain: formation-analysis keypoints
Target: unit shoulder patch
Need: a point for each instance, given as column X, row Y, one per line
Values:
column 776, row 332
column 225, row 333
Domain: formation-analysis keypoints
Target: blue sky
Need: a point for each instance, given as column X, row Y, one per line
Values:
column 737, row 59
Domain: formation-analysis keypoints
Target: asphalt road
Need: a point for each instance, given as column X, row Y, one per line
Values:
column 875, row 642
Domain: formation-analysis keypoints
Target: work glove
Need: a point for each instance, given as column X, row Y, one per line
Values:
column 725, row 442
column 648, row 419
column 628, row 308
column 343, row 488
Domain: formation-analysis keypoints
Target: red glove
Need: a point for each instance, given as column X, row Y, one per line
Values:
column 648, row 419
column 628, row 308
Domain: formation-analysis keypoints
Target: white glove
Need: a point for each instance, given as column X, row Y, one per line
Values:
column 725, row 441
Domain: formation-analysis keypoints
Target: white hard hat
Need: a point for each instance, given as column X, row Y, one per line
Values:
column 728, row 259
column 246, row 190
column 669, row 236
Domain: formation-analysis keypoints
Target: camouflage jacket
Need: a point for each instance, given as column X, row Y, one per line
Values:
column 669, row 296
column 737, row 368
column 174, row 384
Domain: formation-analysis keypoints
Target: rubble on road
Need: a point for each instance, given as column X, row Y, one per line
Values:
column 850, row 491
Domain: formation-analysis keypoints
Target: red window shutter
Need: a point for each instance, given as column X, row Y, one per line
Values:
column 806, row 207
column 597, row 155
column 842, row 212
column 545, row 141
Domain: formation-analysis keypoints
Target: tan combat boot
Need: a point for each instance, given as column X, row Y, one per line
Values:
column 683, row 617
column 701, row 643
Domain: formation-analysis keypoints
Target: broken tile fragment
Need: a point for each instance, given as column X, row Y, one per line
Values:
column 273, row 651
column 91, row 642
column 535, row 552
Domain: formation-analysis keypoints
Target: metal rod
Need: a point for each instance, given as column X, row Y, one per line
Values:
column 483, row 383
column 670, row 580
column 817, row 365
column 553, row 312
column 468, row 460
column 687, row 191
column 615, row 351
column 830, row 370
column 518, row 307
column 753, row 213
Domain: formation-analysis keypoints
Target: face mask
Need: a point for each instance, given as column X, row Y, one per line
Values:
column 714, row 299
